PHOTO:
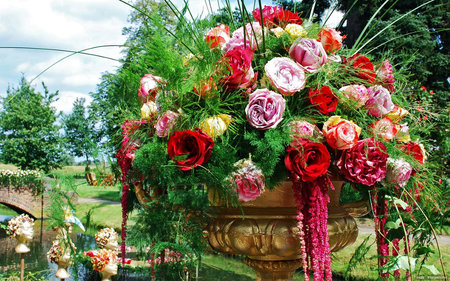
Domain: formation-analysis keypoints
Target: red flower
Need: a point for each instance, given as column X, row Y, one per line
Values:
column 241, row 74
column 415, row 150
column 306, row 159
column 268, row 15
column 283, row 18
column 324, row 99
column 190, row 149
column 330, row 39
column 363, row 67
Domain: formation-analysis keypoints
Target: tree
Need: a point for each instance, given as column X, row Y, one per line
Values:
column 80, row 133
column 29, row 137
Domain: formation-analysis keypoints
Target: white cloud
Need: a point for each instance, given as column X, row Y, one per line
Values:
column 66, row 99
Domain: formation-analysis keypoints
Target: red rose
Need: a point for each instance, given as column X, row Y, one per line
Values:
column 363, row 67
column 189, row 149
column 284, row 18
column 324, row 99
column 415, row 150
column 241, row 74
column 306, row 159
column 330, row 39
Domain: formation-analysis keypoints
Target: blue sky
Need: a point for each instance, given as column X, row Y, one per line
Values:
column 65, row 24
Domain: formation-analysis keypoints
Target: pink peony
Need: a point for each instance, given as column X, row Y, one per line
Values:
column 379, row 102
column 218, row 36
column 364, row 163
column 309, row 53
column 149, row 86
column 303, row 129
column 285, row 75
column 357, row 93
column 240, row 66
column 384, row 128
column 165, row 123
column 398, row 171
column 248, row 179
column 253, row 37
column 265, row 109
column 385, row 75
column 340, row 133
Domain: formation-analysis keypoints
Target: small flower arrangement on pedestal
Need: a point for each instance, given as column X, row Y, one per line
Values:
column 278, row 98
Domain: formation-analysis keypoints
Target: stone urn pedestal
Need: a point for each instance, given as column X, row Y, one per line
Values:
column 265, row 230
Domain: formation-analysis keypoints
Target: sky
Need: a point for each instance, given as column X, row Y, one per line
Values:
column 70, row 25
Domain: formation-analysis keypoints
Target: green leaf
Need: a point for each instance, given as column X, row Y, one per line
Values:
column 397, row 201
column 393, row 225
column 432, row 269
column 402, row 263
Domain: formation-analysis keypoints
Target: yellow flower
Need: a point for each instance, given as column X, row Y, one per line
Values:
column 278, row 31
column 397, row 114
column 148, row 110
column 215, row 126
column 295, row 30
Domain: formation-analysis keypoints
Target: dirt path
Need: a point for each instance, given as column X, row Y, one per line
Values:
column 366, row 226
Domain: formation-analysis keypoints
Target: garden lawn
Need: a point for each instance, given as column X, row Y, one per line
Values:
column 84, row 190
column 100, row 214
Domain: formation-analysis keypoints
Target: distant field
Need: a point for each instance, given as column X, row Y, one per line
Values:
column 8, row 167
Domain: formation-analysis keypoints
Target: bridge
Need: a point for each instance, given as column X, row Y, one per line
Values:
column 22, row 200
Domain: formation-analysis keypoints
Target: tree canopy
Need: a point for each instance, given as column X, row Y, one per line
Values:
column 29, row 136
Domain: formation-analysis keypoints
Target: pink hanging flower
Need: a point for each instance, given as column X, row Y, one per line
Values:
column 285, row 75
column 309, row 53
column 248, row 179
column 365, row 162
column 165, row 123
column 384, row 128
column 357, row 93
column 379, row 102
column 340, row 133
column 385, row 75
column 149, row 87
column 398, row 171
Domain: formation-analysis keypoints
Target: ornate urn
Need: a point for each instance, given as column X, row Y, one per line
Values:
column 265, row 230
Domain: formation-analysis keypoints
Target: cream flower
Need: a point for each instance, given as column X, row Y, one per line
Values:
column 295, row 30
column 215, row 126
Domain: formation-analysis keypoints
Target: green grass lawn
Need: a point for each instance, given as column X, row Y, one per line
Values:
column 84, row 190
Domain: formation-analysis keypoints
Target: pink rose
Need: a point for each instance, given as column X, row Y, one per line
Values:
column 165, row 123
column 384, row 128
column 398, row 171
column 265, row 109
column 248, row 179
column 385, row 75
column 340, row 133
column 218, row 36
column 364, row 163
column 285, row 75
column 241, row 74
column 303, row 129
column 149, row 86
column 309, row 53
column 330, row 39
column 253, row 37
column 379, row 102
column 357, row 93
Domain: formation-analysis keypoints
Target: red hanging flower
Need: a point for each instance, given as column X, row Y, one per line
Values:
column 324, row 99
column 190, row 149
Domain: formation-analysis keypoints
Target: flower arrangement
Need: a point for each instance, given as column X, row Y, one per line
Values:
column 277, row 99
column 101, row 258
column 106, row 236
column 17, row 223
